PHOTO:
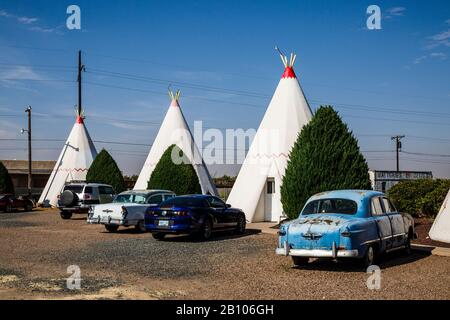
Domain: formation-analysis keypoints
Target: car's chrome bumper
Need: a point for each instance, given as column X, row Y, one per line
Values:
column 317, row 253
column 110, row 220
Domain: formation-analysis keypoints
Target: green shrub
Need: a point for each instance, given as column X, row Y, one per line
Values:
column 105, row 170
column 420, row 198
column 179, row 178
column 325, row 157
column 6, row 184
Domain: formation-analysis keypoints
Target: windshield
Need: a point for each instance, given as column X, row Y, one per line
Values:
column 130, row 198
column 337, row 206
column 75, row 188
column 183, row 202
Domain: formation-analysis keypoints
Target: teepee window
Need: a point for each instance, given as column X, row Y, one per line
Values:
column 270, row 186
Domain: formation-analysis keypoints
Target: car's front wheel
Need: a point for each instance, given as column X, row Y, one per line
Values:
column 158, row 235
column 140, row 227
column 66, row 215
column 111, row 227
column 300, row 261
column 240, row 228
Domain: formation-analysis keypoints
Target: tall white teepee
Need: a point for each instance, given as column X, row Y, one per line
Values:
column 73, row 162
column 175, row 130
column 440, row 230
column 257, row 187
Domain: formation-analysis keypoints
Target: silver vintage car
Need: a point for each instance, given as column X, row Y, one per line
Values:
column 127, row 209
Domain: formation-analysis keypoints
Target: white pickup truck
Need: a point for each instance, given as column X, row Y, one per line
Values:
column 127, row 209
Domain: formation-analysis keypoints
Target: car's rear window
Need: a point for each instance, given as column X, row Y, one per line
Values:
column 74, row 188
column 130, row 198
column 337, row 206
column 184, row 202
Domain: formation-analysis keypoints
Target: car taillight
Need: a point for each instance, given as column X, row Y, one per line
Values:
column 181, row 213
column 87, row 196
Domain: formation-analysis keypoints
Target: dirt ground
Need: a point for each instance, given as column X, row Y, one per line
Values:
column 37, row 248
column 422, row 227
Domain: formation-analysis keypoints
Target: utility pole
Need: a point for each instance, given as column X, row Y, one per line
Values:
column 398, row 146
column 30, row 176
column 81, row 68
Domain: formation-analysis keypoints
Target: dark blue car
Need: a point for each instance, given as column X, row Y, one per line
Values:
column 193, row 214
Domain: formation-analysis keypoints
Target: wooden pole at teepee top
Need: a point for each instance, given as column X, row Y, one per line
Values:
column 81, row 68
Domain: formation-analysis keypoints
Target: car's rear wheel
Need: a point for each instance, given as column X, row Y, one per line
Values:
column 66, row 215
column 8, row 208
column 240, row 228
column 111, row 227
column 28, row 207
column 369, row 257
column 206, row 230
column 158, row 235
column 300, row 261
column 140, row 227
column 408, row 246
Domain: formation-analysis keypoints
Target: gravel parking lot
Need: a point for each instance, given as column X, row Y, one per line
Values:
column 37, row 247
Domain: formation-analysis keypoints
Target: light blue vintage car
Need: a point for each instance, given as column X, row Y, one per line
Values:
column 346, row 224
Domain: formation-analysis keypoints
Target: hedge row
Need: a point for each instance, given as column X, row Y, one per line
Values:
column 420, row 198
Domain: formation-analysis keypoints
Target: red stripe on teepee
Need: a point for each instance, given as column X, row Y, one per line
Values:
column 79, row 120
column 288, row 73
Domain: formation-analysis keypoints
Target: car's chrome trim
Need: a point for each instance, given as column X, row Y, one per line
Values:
column 371, row 241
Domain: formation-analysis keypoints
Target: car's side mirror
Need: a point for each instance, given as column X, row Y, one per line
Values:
column 228, row 205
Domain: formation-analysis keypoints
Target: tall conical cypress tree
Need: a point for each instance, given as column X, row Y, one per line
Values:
column 179, row 178
column 6, row 185
column 105, row 170
column 325, row 157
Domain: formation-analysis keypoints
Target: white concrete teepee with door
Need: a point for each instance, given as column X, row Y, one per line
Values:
column 440, row 230
column 73, row 162
column 175, row 130
column 257, row 187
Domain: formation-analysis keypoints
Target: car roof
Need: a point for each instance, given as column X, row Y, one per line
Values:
column 204, row 196
column 355, row 195
column 90, row 184
column 146, row 191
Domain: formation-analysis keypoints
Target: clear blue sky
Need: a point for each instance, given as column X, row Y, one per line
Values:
column 383, row 82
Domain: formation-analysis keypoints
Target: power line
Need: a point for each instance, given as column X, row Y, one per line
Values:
column 264, row 96
column 427, row 154
column 246, row 75
column 179, row 83
column 186, row 97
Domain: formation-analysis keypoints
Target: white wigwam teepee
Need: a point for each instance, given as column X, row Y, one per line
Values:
column 440, row 230
column 257, row 187
column 73, row 162
column 175, row 130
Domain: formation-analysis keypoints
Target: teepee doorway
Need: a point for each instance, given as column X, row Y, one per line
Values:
column 269, row 199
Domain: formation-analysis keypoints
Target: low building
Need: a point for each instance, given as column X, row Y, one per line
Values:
column 383, row 180
column 18, row 170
